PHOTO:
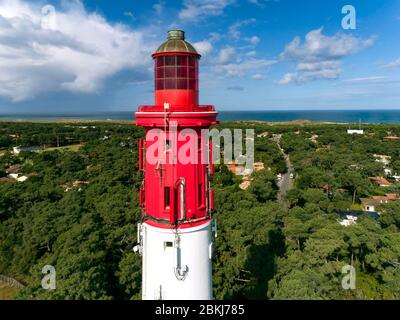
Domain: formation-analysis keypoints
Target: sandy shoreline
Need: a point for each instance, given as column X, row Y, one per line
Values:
column 63, row 121
column 253, row 122
column 297, row 122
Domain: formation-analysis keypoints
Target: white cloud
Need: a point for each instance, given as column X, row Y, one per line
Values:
column 199, row 9
column 258, row 76
column 71, row 56
column 319, row 57
column 241, row 68
column 215, row 36
column 287, row 78
column 234, row 29
column 226, row 55
column 365, row 79
column 321, row 65
column 203, row 47
column 129, row 14
column 252, row 53
column 301, row 78
column 229, row 63
column 253, row 40
column 393, row 64
column 159, row 8
column 261, row 3
column 318, row 47
column 235, row 88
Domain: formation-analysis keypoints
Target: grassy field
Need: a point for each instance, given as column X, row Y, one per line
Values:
column 7, row 292
column 71, row 148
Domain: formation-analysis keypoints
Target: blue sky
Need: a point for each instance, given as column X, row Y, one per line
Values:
column 257, row 54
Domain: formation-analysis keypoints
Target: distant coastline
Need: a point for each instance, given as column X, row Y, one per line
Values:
column 284, row 116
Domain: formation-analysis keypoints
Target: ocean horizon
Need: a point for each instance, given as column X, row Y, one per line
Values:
column 338, row 116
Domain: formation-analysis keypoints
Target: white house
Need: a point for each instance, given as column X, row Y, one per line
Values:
column 351, row 131
column 22, row 179
column 371, row 204
column 380, row 181
column 314, row 138
column 387, row 171
column 382, row 159
column 348, row 221
column 263, row 135
column 16, row 176
column 13, row 176
column 19, row 149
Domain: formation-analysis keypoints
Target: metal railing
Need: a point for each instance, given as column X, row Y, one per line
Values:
column 198, row 108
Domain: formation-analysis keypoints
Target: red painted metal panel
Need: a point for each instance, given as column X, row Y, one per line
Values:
column 176, row 83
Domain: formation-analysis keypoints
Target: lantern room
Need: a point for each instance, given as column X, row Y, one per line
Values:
column 176, row 65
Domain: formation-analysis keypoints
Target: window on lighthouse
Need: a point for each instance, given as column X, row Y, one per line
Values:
column 167, row 197
column 176, row 72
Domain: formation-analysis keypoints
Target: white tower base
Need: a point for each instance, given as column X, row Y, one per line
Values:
column 177, row 263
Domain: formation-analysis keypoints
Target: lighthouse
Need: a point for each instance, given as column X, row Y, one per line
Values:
column 177, row 231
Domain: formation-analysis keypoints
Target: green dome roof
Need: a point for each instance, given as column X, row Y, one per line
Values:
column 176, row 43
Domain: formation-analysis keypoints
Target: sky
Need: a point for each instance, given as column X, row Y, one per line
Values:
column 71, row 56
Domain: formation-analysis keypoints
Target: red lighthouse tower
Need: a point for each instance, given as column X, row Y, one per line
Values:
column 175, row 236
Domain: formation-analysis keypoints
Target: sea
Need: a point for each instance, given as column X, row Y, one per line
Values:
column 337, row 116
